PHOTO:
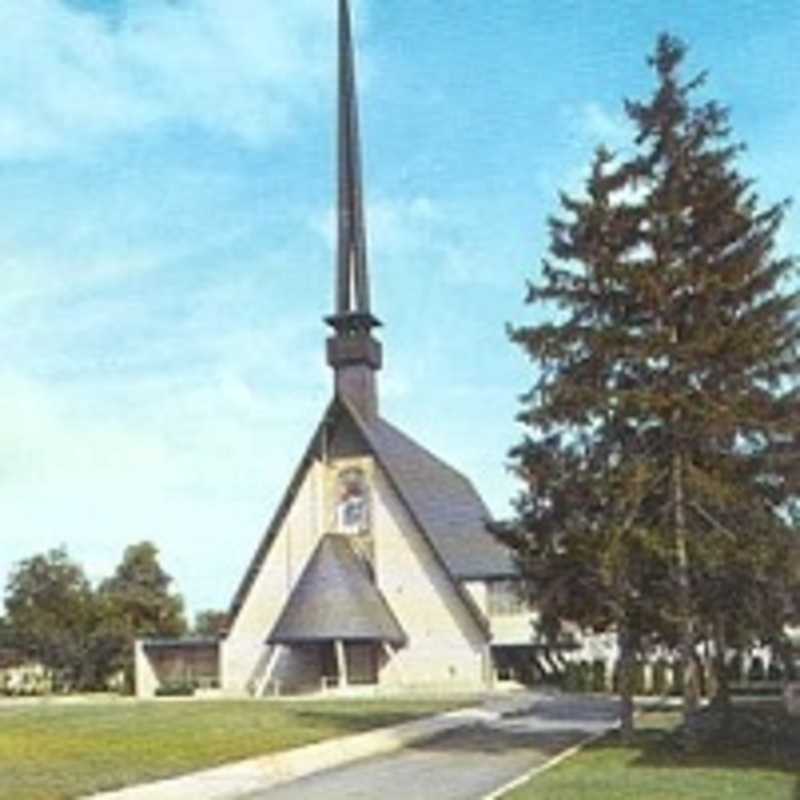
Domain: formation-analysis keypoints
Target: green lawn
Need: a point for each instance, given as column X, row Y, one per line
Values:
column 756, row 757
column 64, row 751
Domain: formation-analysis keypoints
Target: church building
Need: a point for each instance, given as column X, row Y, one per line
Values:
column 377, row 568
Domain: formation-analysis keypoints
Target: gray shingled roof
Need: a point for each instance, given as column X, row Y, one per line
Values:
column 445, row 503
column 336, row 599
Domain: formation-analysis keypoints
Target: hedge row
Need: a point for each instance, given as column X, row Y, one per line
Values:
column 665, row 677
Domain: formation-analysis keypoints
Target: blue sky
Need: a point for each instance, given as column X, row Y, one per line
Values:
column 166, row 187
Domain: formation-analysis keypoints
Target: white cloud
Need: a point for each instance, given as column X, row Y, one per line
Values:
column 598, row 124
column 242, row 68
column 400, row 224
column 588, row 126
column 75, row 242
column 33, row 275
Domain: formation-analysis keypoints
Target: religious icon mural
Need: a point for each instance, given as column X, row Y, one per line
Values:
column 352, row 502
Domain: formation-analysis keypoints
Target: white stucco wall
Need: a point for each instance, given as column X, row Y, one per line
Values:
column 506, row 629
column 479, row 594
column 295, row 542
column 446, row 646
column 510, row 629
column 145, row 678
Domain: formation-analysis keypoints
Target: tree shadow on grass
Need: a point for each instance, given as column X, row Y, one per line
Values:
column 474, row 737
column 760, row 737
column 488, row 741
column 581, row 709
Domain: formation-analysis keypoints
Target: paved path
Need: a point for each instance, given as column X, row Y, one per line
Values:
column 463, row 764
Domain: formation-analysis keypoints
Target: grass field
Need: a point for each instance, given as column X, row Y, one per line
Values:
column 756, row 756
column 65, row 751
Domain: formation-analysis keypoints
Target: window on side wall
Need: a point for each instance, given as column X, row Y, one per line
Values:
column 506, row 597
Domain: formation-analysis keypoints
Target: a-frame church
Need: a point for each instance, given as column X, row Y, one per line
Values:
column 377, row 568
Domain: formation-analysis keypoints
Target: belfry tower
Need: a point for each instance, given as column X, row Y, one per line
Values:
column 352, row 350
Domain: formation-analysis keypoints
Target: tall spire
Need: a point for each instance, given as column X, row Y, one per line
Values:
column 352, row 351
column 352, row 283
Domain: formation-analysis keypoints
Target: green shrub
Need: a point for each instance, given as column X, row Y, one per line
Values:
column 735, row 668
column 616, row 677
column 676, row 689
column 759, row 690
column 661, row 683
column 639, row 678
column 756, row 672
column 599, row 676
column 702, row 678
column 577, row 677
column 585, row 677
column 572, row 677
column 677, row 678
column 774, row 671
column 181, row 689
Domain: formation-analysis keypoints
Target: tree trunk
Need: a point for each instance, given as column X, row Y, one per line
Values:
column 784, row 651
column 627, row 663
column 722, row 696
column 691, row 689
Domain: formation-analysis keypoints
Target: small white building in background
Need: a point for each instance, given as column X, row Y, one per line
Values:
column 20, row 676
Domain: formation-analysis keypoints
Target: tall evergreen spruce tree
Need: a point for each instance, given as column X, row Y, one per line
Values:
column 660, row 465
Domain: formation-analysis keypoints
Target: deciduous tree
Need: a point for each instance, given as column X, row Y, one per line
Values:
column 210, row 623
column 137, row 601
column 50, row 613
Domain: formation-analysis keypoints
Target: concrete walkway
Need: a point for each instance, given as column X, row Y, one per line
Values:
column 462, row 754
column 466, row 763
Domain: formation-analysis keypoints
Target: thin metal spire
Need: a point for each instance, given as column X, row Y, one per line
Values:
column 352, row 280
column 352, row 351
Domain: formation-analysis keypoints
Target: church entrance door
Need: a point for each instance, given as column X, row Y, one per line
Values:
column 362, row 663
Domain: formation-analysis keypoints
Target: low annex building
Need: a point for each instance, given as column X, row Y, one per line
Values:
column 377, row 568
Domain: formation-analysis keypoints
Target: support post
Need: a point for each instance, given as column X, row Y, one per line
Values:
column 341, row 663
column 272, row 657
column 392, row 664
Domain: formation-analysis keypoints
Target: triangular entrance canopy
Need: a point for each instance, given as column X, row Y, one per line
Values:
column 335, row 599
